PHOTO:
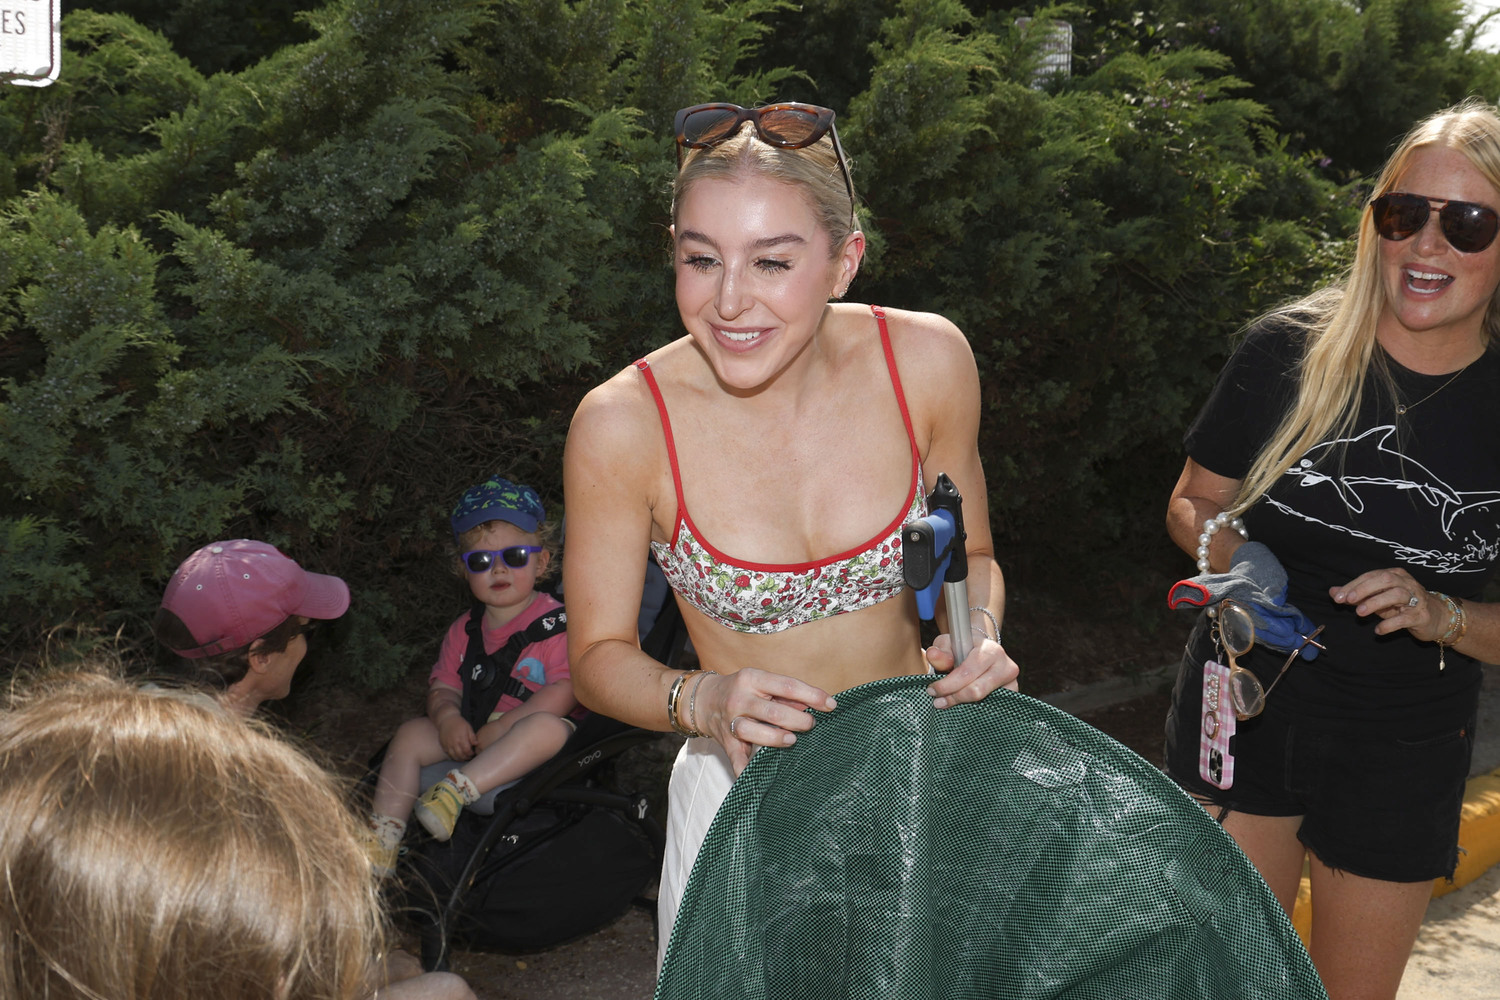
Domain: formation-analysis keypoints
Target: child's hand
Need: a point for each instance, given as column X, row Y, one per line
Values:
column 457, row 737
column 491, row 731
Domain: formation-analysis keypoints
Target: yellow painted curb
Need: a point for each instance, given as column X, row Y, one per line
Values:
column 1302, row 910
column 1478, row 842
column 1478, row 833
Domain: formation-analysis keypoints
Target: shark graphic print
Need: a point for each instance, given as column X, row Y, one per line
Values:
column 1466, row 538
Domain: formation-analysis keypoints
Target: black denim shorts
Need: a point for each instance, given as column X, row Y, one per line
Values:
column 1371, row 804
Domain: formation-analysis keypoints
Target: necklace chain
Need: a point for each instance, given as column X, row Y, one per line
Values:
column 1402, row 409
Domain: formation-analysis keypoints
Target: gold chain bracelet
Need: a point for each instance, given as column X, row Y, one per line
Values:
column 672, row 705
column 1458, row 625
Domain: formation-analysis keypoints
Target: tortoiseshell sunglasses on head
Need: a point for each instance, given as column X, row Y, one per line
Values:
column 786, row 126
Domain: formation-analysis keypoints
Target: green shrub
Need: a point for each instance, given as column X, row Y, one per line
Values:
column 308, row 288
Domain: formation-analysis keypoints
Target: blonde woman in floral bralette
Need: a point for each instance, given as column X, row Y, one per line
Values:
column 769, row 458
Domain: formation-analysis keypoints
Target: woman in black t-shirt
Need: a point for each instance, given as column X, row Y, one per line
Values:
column 1355, row 432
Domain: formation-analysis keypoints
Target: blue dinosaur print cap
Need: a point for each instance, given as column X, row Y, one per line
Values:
column 497, row 499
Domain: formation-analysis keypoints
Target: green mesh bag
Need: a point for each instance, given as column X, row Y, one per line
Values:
column 998, row 850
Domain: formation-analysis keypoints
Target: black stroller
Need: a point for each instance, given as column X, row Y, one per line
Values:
column 560, row 856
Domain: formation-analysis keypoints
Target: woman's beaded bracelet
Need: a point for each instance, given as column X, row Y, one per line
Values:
column 1458, row 624
column 1458, row 621
column 1212, row 527
column 672, row 705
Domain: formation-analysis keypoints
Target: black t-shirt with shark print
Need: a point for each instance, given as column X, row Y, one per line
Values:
column 1419, row 491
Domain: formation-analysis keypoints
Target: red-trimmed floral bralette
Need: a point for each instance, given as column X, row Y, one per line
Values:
column 763, row 598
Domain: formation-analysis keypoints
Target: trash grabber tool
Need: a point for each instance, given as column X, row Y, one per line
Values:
column 932, row 549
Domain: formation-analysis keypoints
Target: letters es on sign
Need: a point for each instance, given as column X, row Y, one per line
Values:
column 30, row 41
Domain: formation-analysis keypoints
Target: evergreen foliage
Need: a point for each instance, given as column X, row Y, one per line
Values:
column 1342, row 79
column 304, row 272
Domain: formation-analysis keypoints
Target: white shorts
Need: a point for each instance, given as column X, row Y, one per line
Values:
column 701, row 778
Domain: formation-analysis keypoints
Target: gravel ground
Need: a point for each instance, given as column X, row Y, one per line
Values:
column 617, row 963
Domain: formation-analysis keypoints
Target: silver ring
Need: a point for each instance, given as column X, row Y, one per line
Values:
column 1414, row 600
column 732, row 723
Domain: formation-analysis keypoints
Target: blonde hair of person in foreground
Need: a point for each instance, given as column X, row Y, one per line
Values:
column 154, row 845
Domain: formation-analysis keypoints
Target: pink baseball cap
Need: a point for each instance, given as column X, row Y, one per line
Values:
column 231, row 593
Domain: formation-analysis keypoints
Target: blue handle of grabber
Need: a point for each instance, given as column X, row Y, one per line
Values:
column 942, row 526
column 940, row 537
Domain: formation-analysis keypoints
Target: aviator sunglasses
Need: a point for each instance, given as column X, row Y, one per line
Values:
column 786, row 126
column 1236, row 633
column 515, row 556
column 1468, row 227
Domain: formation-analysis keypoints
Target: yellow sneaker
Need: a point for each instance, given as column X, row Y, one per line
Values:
column 438, row 809
column 382, row 856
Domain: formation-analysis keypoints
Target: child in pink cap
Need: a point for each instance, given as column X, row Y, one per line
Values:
column 238, row 612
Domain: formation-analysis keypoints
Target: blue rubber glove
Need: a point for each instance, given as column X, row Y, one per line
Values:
column 1282, row 627
column 1258, row 582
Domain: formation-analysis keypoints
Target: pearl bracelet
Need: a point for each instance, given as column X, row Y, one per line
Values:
column 1211, row 528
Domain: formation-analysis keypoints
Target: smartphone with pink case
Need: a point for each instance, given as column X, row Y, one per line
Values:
column 1215, row 763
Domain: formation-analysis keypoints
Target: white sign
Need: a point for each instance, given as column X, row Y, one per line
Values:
column 30, row 41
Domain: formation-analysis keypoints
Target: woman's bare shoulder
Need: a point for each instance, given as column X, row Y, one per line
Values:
column 614, row 423
column 617, row 424
column 625, row 399
column 928, row 345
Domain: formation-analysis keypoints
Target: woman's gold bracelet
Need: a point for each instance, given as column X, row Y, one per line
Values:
column 1458, row 621
column 1458, row 624
column 672, row 705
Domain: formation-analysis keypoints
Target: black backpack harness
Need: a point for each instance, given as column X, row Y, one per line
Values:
column 486, row 676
